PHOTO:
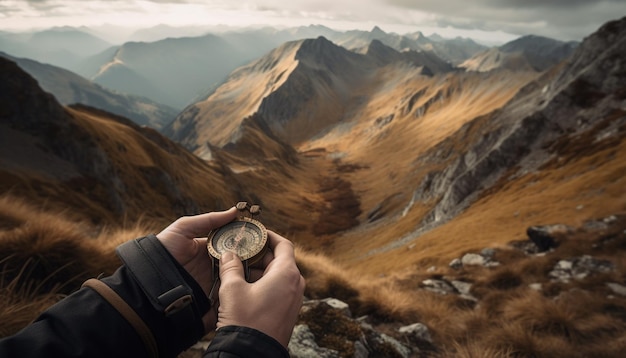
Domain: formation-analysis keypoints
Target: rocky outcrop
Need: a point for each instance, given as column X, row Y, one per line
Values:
column 572, row 101
column 327, row 329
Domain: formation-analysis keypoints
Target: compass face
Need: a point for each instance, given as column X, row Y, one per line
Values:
column 245, row 237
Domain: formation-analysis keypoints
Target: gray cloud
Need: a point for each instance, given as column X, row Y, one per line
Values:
column 563, row 19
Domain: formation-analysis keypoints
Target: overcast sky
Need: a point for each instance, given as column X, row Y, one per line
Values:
column 487, row 20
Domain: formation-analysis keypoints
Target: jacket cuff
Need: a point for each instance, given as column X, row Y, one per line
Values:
column 162, row 293
column 245, row 342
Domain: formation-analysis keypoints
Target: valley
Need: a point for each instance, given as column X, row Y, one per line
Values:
column 382, row 157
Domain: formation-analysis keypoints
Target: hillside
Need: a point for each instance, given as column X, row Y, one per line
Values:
column 525, row 53
column 70, row 88
column 61, row 46
column 96, row 165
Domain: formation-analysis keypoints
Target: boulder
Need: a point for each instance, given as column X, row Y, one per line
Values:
column 302, row 345
column 416, row 330
column 545, row 237
column 579, row 268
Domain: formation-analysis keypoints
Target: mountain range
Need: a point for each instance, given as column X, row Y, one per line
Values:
column 386, row 165
column 70, row 88
column 178, row 71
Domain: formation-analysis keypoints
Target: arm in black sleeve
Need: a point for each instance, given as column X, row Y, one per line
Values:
column 243, row 342
column 87, row 324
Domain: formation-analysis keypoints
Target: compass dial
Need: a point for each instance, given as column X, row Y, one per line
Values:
column 245, row 237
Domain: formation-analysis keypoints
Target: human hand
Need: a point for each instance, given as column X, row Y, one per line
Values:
column 181, row 239
column 270, row 304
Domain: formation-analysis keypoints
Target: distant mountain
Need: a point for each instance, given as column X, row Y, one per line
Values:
column 385, row 55
column 64, row 46
column 101, row 166
column 455, row 50
column 285, row 87
column 176, row 71
column 69, row 88
column 525, row 53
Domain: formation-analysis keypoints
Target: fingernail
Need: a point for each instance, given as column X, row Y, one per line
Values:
column 226, row 257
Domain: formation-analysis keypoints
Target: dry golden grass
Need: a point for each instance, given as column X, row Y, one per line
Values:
column 45, row 256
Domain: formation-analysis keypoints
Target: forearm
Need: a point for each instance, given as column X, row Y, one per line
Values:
column 243, row 342
column 88, row 323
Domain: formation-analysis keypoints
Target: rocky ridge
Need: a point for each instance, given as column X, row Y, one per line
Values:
column 583, row 95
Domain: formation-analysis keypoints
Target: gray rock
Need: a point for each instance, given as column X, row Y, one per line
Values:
column 617, row 288
column 360, row 351
column 438, row 286
column 488, row 252
column 579, row 268
column 472, row 260
column 402, row 350
column 461, row 286
column 302, row 345
column 417, row 330
column 456, row 264
column 338, row 305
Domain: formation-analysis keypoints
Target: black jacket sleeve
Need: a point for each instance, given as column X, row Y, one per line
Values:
column 81, row 325
column 243, row 342
column 85, row 324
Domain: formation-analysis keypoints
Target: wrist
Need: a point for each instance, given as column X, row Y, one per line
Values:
column 162, row 292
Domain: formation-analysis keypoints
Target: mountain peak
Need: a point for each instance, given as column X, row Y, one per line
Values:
column 377, row 31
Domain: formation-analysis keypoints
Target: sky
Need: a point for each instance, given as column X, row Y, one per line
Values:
column 484, row 20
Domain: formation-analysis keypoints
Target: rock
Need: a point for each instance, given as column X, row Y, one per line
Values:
column 535, row 286
column 472, row 260
column 360, row 351
column 302, row 345
column 544, row 236
column 579, row 268
column 617, row 288
column 338, row 305
column 438, row 286
column 383, row 339
column 417, row 330
column 456, row 264
column 432, row 269
column 463, row 287
column 488, row 252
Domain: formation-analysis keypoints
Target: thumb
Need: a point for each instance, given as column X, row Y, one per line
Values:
column 231, row 267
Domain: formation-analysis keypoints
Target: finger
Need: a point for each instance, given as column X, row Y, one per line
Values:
column 281, row 247
column 231, row 268
column 200, row 225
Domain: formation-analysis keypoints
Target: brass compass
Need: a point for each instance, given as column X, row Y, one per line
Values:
column 244, row 236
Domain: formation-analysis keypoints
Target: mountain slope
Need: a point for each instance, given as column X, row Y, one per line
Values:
column 100, row 166
column 62, row 46
column 286, row 88
column 555, row 152
column 527, row 52
column 69, row 88
column 280, row 87
column 176, row 71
